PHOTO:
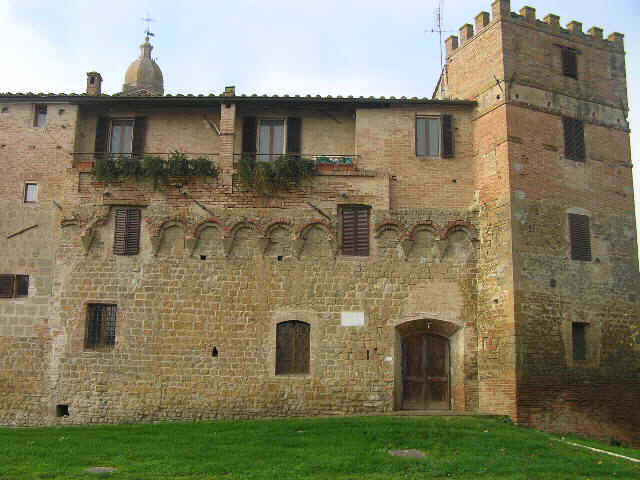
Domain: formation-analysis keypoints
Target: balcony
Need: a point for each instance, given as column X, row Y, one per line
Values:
column 85, row 161
column 324, row 163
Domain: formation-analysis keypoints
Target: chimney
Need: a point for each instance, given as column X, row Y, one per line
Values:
column 94, row 84
column 553, row 20
column 229, row 91
column 451, row 44
column 466, row 33
column 596, row 33
column 617, row 39
column 574, row 27
column 482, row 20
column 501, row 8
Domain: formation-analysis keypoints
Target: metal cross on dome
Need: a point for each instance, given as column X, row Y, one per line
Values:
column 147, row 32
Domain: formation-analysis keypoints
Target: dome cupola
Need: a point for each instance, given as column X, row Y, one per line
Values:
column 144, row 76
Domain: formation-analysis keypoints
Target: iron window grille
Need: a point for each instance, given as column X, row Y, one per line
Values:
column 570, row 62
column 101, row 325
column 573, row 139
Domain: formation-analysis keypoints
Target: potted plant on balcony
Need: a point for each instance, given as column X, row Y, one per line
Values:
column 325, row 164
column 345, row 164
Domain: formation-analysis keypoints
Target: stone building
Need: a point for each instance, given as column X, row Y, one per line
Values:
column 474, row 251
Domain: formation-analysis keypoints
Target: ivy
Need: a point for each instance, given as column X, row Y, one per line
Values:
column 156, row 169
column 269, row 178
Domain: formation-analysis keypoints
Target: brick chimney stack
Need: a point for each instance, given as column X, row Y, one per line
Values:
column 94, row 84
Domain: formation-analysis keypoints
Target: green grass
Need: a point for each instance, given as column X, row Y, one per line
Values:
column 335, row 448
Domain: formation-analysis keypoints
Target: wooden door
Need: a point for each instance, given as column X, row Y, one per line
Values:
column 425, row 372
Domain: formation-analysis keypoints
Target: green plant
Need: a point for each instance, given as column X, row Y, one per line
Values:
column 154, row 168
column 268, row 178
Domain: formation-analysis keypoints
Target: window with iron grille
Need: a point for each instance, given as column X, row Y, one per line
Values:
column 40, row 116
column 292, row 347
column 101, row 325
column 579, row 340
column 434, row 136
column 570, row 62
column 12, row 285
column 355, row 230
column 580, row 237
column 127, row 231
column 573, row 139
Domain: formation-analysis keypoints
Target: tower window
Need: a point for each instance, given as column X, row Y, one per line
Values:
column 40, row 116
column 573, row 139
column 30, row 192
column 580, row 237
column 579, row 340
column 570, row 62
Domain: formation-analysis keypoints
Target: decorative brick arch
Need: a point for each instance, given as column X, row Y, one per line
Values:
column 460, row 225
column 280, row 222
column 424, row 225
column 319, row 223
column 252, row 224
column 209, row 222
column 157, row 229
column 390, row 225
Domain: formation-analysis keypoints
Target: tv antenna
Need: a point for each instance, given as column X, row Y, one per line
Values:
column 148, row 20
column 438, row 28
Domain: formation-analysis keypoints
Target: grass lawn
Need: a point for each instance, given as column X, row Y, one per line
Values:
column 334, row 448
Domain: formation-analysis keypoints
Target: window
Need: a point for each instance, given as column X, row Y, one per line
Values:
column 579, row 339
column 14, row 285
column 355, row 230
column 40, row 116
column 434, row 136
column 580, row 237
column 127, row 231
column 121, row 136
column 101, row 325
column 573, row 139
column 569, row 62
column 30, row 192
column 269, row 138
column 292, row 348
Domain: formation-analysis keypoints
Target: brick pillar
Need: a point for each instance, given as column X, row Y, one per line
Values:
column 617, row 39
column 501, row 8
column 529, row 14
column 227, row 140
column 553, row 20
column 466, row 33
column 94, row 84
column 452, row 44
column 482, row 20
column 574, row 27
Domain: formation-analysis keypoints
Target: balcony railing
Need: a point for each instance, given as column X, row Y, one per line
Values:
column 88, row 159
column 323, row 162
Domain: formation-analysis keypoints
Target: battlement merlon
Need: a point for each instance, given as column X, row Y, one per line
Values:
column 501, row 11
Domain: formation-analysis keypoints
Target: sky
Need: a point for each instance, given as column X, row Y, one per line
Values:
column 328, row 47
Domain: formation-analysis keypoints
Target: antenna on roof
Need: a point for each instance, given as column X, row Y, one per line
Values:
column 147, row 32
column 437, row 28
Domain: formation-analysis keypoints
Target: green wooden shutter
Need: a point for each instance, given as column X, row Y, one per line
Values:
column 294, row 139
column 447, row 136
column 139, row 136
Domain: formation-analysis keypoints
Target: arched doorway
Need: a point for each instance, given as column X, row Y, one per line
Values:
column 427, row 364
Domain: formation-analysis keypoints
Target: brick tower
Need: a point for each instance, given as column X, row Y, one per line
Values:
column 558, row 314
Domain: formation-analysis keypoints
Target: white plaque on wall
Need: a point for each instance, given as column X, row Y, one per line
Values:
column 352, row 319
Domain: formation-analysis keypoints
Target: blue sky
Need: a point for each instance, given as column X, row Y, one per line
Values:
column 276, row 47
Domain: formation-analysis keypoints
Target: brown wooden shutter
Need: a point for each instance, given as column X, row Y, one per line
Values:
column 578, row 130
column 580, row 237
column 6, row 285
column 292, row 347
column 355, row 230
column 294, row 131
column 102, row 135
column 573, row 139
column 249, row 132
column 447, row 136
column 139, row 136
column 127, row 231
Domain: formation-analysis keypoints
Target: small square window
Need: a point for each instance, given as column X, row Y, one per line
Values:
column 30, row 192
column 40, row 116
column 579, row 340
column 101, row 325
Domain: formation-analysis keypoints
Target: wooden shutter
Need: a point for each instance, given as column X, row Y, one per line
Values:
column 569, row 62
column 447, row 136
column 573, row 139
column 292, row 347
column 249, row 132
column 102, row 135
column 6, row 285
column 139, row 136
column 127, row 231
column 22, row 285
column 294, row 131
column 580, row 237
column 355, row 230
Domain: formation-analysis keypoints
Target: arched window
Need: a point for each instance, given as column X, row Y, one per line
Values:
column 292, row 348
